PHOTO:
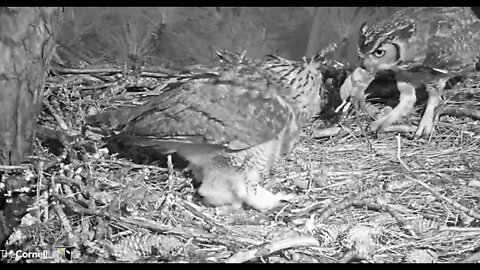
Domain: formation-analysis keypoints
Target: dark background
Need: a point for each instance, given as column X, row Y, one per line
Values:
column 179, row 36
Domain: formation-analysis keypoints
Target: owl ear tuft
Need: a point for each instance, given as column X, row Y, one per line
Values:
column 363, row 28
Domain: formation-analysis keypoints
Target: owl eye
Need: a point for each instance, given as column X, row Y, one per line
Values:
column 379, row 53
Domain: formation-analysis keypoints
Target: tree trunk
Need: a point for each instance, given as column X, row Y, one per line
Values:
column 26, row 46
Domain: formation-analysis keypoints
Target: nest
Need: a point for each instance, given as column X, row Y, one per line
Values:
column 359, row 196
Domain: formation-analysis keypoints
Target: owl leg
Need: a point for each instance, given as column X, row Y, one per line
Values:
column 407, row 101
column 288, row 140
column 434, row 97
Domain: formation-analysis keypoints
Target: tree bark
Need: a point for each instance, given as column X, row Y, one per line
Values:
column 26, row 46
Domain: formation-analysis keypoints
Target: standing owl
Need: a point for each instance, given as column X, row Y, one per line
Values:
column 420, row 45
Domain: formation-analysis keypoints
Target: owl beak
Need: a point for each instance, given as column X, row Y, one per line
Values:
column 367, row 64
column 362, row 65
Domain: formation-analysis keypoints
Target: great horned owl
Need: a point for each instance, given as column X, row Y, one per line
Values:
column 421, row 45
column 231, row 122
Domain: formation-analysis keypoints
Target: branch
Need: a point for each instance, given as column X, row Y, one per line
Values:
column 460, row 112
column 57, row 117
column 272, row 247
column 337, row 207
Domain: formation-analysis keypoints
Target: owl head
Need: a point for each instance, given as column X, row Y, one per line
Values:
column 413, row 36
column 383, row 46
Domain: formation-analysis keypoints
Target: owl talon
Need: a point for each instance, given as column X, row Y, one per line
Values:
column 380, row 124
column 374, row 126
column 424, row 129
column 264, row 200
column 282, row 196
column 227, row 209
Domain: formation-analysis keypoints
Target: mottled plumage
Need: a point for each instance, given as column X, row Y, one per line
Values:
column 421, row 45
column 231, row 122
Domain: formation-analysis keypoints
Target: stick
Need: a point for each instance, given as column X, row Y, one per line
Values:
column 39, row 187
column 325, row 132
column 133, row 165
column 399, row 152
column 350, row 255
column 403, row 223
column 61, row 71
column 57, row 117
column 401, row 128
column 272, row 247
column 197, row 213
column 199, row 236
column 348, row 202
column 170, row 171
column 459, row 112
column 15, row 167
column 150, row 72
column 72, row 239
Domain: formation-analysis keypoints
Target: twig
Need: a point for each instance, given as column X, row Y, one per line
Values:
column 399, row 153
column 272, row 247
column 170, row 171
column 76, row 207
column 207, row 237
column 61, row 71
column 72, row 239
column 192, row 209
column 156, row 72
column 348, row 202
column 55, row 160
column 47, row 133
column 157, row 69
column 79, row 183
column 460, row 112
column 403, row 223
column 57, row 117
column 39, row 187
column 400, row 128
column 350, row 255
column 133, row 165
column 96, row 87
column 337, row 184
column 325, row 132
column 459, row 229
column 15, row 167
column 223, row 239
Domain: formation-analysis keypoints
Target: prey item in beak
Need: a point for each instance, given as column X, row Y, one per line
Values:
column 354, row 87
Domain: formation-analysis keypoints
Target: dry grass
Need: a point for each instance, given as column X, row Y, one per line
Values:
column 387, row 198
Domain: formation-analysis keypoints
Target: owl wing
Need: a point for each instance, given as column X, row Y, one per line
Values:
column 223, row 112
column 456, row 51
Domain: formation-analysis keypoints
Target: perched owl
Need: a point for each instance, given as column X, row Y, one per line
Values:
column 421, row 46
